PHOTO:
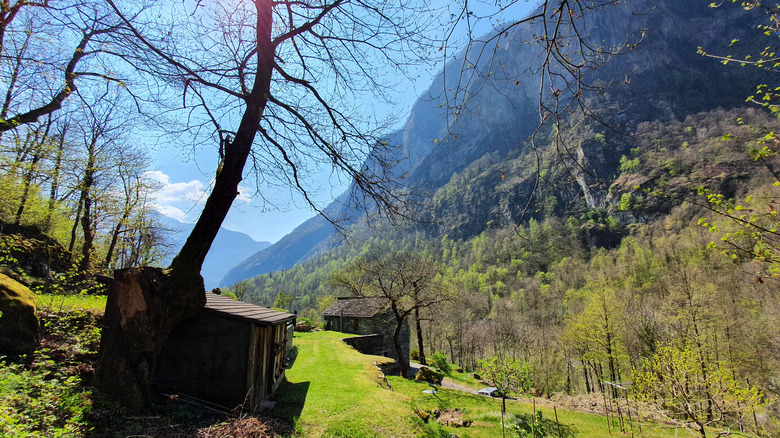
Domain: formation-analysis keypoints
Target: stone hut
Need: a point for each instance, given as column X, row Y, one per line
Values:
column 231, row 354
column 372, row 318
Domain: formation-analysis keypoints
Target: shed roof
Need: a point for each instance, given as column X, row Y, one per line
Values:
column 357, row 307
column 244, row 311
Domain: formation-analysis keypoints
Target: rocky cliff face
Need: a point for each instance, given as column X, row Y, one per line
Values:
column 658, row 75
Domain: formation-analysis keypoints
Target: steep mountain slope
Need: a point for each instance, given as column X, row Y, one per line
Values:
column 661, row 78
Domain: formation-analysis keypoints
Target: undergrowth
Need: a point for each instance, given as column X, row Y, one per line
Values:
column 51, row 396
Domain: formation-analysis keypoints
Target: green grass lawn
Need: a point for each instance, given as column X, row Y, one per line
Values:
column 332, row 390
column 94, row 304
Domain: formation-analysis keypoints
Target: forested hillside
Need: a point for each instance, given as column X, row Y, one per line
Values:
column 588, row 295
column 609, row 219
column 655, row 75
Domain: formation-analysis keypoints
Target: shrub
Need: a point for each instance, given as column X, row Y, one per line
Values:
column 303, row 325
column 439, row 360
column 414, row 354
column 527, row 425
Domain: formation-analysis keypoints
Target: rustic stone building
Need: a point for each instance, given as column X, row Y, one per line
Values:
column 371, row 318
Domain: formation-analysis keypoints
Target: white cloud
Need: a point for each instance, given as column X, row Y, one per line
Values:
column 175, row 199
column 171, row 212
column 191, row 191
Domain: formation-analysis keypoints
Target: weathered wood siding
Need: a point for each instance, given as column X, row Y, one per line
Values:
column 206, row 357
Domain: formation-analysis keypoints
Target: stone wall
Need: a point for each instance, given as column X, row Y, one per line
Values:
column 377, row 334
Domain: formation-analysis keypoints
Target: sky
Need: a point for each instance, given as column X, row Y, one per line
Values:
column 184, row 177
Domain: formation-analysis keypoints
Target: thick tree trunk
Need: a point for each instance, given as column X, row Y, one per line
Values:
column 402, row 365
column 420, row 346
column 145, row 304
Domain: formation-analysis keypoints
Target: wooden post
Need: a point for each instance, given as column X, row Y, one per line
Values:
column 556, row 421
column 606, row 409
column 533, row 419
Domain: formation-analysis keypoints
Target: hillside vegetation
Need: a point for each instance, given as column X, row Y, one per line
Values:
column 589, row 296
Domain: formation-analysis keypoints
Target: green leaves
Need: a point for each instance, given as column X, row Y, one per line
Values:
column 509, row 375
column 685, row 386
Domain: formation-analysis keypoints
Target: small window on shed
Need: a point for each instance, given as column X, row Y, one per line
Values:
column 356, row 322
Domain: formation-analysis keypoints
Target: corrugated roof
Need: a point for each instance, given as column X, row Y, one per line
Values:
column 359, row 307
column 244, row 311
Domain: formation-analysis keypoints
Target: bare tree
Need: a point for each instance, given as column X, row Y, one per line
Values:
column 273, row 81
column 562, row 58
column 131, row 166
column 405, row 279
column 47, row 50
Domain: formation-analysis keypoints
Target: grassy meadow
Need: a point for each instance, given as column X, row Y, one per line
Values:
column 334, row 391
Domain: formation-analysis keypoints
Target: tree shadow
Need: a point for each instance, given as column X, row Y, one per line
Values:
column 535, row 425
column 290, row 400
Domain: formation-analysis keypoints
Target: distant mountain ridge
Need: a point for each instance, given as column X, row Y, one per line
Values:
column 229, row 248
column 662, row 78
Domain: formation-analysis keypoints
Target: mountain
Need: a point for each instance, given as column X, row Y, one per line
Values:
column 658, row 76
column 229, row 248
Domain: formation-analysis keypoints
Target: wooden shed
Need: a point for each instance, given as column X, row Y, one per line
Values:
column 231, row 354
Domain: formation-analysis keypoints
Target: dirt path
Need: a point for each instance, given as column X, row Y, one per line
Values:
column 445, row 383
column 450, row 384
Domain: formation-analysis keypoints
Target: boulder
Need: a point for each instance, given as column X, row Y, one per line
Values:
column 19, row 325
column 428, row 375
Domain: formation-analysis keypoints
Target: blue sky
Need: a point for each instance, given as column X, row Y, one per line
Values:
column 185, row 176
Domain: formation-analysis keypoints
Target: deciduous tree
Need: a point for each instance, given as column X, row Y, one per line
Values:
column 405, row 279
column 508, row 375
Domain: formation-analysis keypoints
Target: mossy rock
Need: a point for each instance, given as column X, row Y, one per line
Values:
column 19, row 325
column 428, row 375
column 37, row 255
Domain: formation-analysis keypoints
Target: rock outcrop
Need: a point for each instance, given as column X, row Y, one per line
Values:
column 19, row 326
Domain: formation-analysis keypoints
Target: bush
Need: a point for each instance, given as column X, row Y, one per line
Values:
column 526, row 425
column 414, row 354
column 51, row 397
column 439, row 360
column 304, row 325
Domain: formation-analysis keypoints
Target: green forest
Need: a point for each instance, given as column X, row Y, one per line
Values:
column 580, row 215
column 673, row 273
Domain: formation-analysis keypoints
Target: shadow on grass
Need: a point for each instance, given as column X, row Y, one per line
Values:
column 528, row 425
column 291, row 356
column 291, row 397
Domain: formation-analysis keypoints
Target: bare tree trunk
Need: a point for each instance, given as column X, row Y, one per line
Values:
column 26, row 183
column 75, row 228
column 145, row 304
column 115, row 237
column 55, row 181
column 86, row 217
column 420, row 345
column 29, row 175
column 402, row 366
